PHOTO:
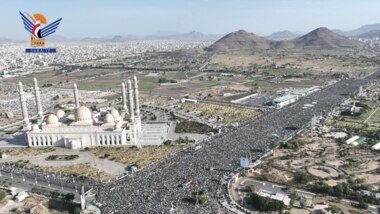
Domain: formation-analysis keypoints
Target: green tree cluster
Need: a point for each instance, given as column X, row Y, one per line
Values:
column 302, row 178
column 3, row 194
column 264, row 204
column 199, row 196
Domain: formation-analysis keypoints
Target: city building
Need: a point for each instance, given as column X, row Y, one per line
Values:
column 280, row 102
column 294, row 96
column 275, row 196
column 86, row 128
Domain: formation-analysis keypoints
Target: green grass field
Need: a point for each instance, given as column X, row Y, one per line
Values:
column 357, row 122
column 192, row 127
column 146, row 85
column 98, row 85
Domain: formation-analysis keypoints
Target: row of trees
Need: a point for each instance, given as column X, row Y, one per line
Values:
column 164, row 80
column 264, row 204
column 350, row 190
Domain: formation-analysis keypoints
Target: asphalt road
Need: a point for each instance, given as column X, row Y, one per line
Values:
column 154, row 190
column 26, row 184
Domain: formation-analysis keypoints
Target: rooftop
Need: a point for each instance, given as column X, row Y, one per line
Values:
column 285, row 98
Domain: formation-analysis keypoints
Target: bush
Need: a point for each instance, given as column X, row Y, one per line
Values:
column 200, row 196
column 72, row 157
column 69, row 197
column 77, row 210
column 167, row 142
column 3, row 194
column 54, row 194
column 362, row 205
column 294, row 144
column 302, row 178
column 52, row 157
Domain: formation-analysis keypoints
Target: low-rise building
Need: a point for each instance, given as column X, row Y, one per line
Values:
column 356, row 140
column 184, row 100
column 21, row 196
column 275, row 196
column 376, row 146
column 283, row 101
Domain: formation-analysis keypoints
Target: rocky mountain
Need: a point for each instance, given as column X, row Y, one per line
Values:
column 369, row 35
column 283, row 35
column 359, row 31
column 323, row 38
column 239, row 41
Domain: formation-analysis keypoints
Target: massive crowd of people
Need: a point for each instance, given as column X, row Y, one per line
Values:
column 155, row 189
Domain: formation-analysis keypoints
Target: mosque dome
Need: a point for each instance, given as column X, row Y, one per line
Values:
column 109, row 118
column 52, row 119
column 83, row 113
column 60, row 113
column 115, row 113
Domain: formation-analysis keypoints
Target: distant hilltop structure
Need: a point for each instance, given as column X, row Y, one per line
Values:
column 85, row 128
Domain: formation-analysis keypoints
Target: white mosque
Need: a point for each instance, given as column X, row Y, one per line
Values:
column 85, row 129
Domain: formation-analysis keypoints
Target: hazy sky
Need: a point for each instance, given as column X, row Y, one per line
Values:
column 95, row 18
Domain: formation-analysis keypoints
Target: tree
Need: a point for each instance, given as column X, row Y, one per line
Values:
column 302, row 178
column 167, row 142
column 77, row 210
column 199, row 196
column 69, row 197
column 265, row 205
column 3, row 194
column 33, row 121
column 54, row 194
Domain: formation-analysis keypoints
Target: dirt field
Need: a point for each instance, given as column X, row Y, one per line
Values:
column 134, row 156
column 229, row 114
column 327, row 61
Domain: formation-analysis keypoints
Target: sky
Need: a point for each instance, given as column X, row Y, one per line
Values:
column 107, row 18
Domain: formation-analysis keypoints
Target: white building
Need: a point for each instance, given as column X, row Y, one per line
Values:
column 85, row 129
column 376, row 146
column 184, row 100
column 294, row 97
column 283, row 101
column 21, row 196
column 275, row 196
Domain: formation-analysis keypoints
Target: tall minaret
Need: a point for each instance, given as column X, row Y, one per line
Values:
column 124, row 97
column 130, row 101
column 76, row 96
column 23, row 105
column 38, row 100
column 137, row 102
